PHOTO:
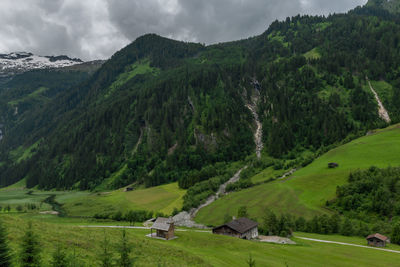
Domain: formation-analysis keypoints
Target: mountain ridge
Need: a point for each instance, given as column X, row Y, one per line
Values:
column 19, row 62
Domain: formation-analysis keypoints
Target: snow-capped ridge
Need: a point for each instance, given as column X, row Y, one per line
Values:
column 19, row 62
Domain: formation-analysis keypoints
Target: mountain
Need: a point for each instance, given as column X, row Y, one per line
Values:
column 392, row 6
column 19, row 62
column 161, row 110
column 23, row 93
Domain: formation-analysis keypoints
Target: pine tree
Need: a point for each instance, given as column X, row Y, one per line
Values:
column 106, row 255
column 347, row 228
column 59, row 258
column 5, row 257
column 30, row 249
column 395, row 237
column 124, row 250
column 250, row 261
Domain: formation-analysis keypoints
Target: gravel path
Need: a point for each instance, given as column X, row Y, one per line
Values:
column 138, row 227
column 347, row 244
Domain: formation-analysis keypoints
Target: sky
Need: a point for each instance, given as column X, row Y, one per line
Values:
column 96, row 29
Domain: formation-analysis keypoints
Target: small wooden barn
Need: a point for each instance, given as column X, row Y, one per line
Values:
column 242, row 228
column 332, row 165
column 164, row 228
column 377, row 240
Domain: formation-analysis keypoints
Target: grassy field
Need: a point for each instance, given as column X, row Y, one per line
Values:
column 193, row 248
column 266, row 174
column 306, row 191
column 162, row 198
column 345, row 239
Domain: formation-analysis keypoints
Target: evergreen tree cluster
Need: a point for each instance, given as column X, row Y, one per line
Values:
column 285, row 224
column 370, row 195
column 30, row 252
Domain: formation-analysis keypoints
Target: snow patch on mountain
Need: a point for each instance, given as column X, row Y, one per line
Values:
column 19, row 62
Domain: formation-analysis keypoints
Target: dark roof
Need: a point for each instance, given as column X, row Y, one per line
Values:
column 162, row 224
column 241, row 225
column 378, row 236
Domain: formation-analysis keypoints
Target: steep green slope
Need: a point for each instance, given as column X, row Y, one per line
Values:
column 305, row 192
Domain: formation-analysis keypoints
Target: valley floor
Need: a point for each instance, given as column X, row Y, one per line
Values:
column 193, row 248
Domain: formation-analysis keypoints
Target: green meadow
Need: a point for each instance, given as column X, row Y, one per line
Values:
column 307, row 190
column 193, row 248
column 162, row 198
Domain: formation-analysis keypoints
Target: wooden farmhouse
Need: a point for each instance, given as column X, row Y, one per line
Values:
column 164, row 228
column 242, row 228
column 377, row 240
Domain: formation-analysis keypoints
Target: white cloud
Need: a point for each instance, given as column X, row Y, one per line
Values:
column 92, row 29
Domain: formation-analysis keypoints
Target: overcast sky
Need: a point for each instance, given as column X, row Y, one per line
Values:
column 95, row 29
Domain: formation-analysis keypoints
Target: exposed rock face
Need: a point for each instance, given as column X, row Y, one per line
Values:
column 252, row 106
column 383, row 114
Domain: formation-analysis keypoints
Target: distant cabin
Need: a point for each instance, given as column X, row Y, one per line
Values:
column 333, row 165
column 164, row 228
column 242, row 228
column 377, row 240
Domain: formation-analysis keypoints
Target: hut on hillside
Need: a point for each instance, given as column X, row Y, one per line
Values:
column 164, row 228
column 332, row 165
column 377, row 240
column 242, row 228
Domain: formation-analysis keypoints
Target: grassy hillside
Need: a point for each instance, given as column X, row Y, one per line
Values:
column 82, row 203
column 195, row 248
column 162, row 198
column 307, row 190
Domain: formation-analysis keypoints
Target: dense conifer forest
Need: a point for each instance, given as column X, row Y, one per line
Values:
column 162, row 110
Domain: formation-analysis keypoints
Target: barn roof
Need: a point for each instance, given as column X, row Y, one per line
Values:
column 241, row 225
column 378, row 236
column 162, row 224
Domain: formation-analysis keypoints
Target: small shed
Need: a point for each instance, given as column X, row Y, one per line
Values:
column 164, row 228
column 377, row 240
column 333, row 165
column 242, row 228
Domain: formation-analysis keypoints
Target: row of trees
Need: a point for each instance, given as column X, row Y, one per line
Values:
column 131, row 216
column 30, row 252
column 285, row 224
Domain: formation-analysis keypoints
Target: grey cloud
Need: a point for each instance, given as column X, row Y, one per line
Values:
column 92, row 29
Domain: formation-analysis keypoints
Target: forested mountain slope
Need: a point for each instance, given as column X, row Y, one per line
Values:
column 161, row 110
